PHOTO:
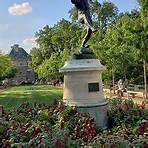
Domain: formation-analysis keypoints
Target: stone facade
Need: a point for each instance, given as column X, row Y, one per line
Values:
column 21, row 59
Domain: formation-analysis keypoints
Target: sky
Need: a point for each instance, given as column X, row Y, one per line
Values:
column 21, row 19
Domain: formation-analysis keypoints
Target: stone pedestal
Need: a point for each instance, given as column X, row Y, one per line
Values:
column 83, row 88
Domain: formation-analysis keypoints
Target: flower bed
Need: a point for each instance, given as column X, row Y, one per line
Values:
column 59, row 126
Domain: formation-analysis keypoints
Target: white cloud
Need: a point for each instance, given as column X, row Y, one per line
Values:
column 20, row 9
column 30, row 42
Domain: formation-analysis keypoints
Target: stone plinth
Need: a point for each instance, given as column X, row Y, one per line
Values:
column 83, row 88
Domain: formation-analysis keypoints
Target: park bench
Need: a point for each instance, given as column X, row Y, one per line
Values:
column 133, row 90
column 132, row 93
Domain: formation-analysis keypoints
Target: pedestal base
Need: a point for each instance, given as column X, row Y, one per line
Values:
column 99, row 113
column 83, row 87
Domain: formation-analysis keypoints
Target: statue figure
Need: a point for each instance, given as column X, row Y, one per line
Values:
column 84, row 18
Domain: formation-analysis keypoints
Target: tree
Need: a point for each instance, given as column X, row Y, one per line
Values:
column 56, row 41
column 44, row 41
column 37, row 57
column 120, row 41
column 61, row 39
column 125, row 43
column 49, row 69
column 7, row 69
column 144, row 37
column 102, row 14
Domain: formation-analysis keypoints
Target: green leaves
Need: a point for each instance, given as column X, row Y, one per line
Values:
column 49, row 67
column 102, row 14
column 7, row 69
column 55, row 46
column 124, row 44
column 120, row 41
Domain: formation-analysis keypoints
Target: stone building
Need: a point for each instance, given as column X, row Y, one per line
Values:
column 21, row 59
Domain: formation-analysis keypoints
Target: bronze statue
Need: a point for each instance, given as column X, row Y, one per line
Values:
column 84, row 18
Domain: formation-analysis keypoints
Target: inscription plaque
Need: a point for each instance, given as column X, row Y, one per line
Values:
column 93, row 87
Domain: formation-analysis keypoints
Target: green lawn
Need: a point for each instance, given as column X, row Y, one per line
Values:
column 14, row 96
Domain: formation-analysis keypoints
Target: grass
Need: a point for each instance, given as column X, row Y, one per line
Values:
column 13, row 97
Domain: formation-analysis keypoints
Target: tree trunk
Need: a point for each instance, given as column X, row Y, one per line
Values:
column 124, row 74
column 145, row 80
column 113, row 77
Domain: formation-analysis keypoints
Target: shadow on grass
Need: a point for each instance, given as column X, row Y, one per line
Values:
column 15, row 96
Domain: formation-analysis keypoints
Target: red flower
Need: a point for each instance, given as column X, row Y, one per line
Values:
column 143, row 127
column 36, row 131
column 59, row 144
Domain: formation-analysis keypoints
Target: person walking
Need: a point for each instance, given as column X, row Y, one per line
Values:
column 125, row 85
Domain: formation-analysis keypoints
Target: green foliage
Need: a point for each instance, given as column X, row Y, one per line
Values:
column 37, row 57
column 41, row 125
column 144, row 8
column 57, row 43
column 7, row 69
column 125, row 44
column 102, row 14
column 127, row 125
column 55, row 46
column 49, row 67
column 120, row 42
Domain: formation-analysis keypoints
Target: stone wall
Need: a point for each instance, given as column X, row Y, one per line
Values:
column 21, row 59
